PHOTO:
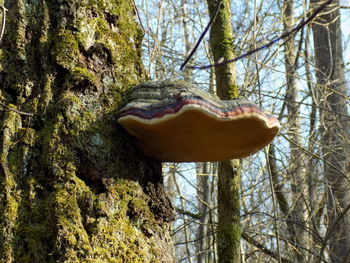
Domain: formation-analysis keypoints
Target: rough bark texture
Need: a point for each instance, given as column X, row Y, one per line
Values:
column 334, row 128
column 74, row 187
column 229, row 226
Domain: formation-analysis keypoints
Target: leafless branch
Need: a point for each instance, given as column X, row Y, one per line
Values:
column 203, row 34
column 272, row 42
column 17, row 111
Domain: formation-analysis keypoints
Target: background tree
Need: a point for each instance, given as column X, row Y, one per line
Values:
column 283, row 189
column 73, row 185
column 229, row 181
column 334, row 128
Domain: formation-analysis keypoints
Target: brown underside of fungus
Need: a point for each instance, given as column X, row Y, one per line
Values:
column 177, row 122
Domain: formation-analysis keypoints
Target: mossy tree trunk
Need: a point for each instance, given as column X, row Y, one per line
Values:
column 74, row 187
column 229, row 182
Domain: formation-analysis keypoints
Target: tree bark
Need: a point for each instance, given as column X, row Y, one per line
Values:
column 334, row 127
column 296, row 172
column 74, row 187
column 229, row 182
column 205, row 189
column 229, row 224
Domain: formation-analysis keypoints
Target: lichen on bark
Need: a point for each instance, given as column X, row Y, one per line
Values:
column 74, row 187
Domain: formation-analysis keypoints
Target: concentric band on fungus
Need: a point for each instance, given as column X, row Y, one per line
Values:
column 177, row 122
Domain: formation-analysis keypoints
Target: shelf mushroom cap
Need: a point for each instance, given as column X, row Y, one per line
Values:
column 177, row 122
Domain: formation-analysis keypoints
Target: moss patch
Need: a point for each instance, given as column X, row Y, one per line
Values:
column 74, row 186
column 66, row 49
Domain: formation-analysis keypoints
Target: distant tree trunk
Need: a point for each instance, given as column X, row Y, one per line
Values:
column 315, row 182
column 334, row 127
column 229, row 183
column 74, row 187
column 205, row 204
column 296, row 172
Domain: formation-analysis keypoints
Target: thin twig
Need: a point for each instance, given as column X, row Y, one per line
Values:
column 331, row 228
column 316, row 156
column 17, row 111
column 284, row 35
column 264, row 249
column 202, row 35
column 3, row 10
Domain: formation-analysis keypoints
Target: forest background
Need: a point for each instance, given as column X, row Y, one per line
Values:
column 286, row 187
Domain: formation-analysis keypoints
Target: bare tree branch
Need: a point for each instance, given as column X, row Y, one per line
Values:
column 283, row 36
column 202, row 35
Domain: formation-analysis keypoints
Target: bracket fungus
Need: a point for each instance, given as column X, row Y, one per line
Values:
column 177, row 122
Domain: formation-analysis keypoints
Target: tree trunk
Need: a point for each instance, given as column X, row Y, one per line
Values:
column 74, row 187
column 334, row 127
column 229, row 224
column 297, row 215
column 205, row 206
column 229, row 183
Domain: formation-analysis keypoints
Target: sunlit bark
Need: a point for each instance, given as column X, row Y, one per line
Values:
column 229, row 226
column 74, row 187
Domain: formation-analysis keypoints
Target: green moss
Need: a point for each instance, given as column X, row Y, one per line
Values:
column 81, row 78
column 1, row 59
column 11, row 125
column 66, row 49
column 229, row 238
column 221, row 39
column 41, row 104
column 55, row 153
column 124, row 212
column 57, row 215
column 229, row 226
column 233, row 92
column 79, row 117
column 9, row 197
column 34, row 222
column 18, row 157
column 128, row 238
